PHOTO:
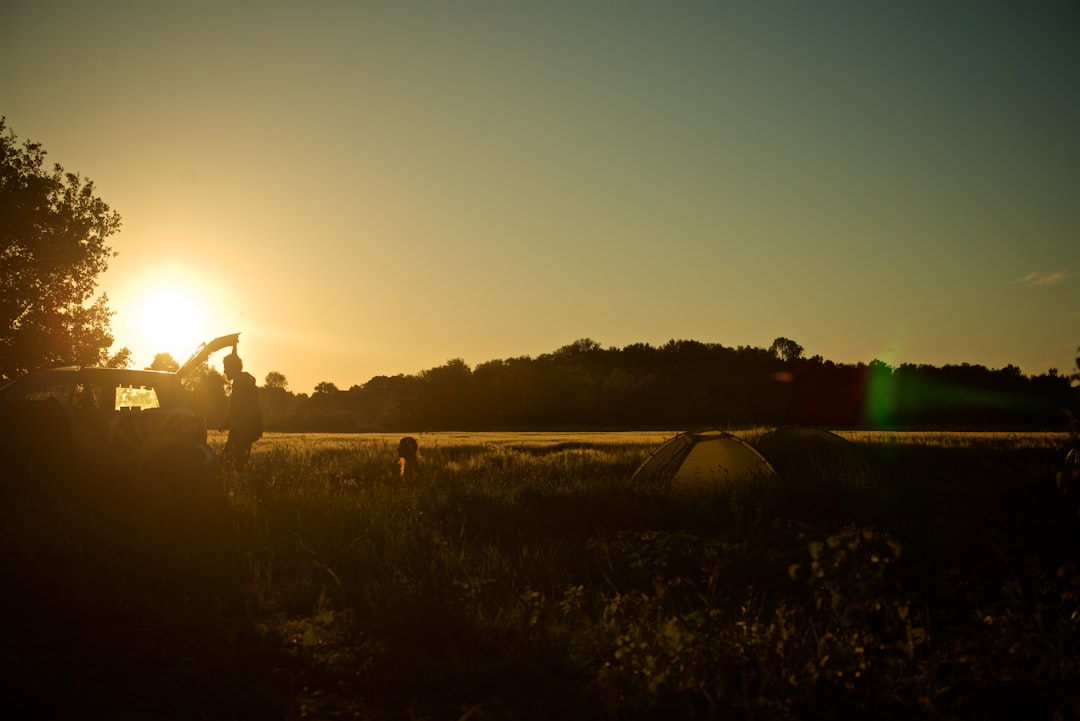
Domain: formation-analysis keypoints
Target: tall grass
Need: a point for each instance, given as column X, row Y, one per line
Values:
column 546, row 560
column 526, row 577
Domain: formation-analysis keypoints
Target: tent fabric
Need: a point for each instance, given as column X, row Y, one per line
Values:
column 815, row 455
column 709, row 459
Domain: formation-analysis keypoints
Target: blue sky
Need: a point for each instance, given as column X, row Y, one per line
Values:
column 370, row 188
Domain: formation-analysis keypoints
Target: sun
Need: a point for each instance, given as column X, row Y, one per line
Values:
column 171, row 321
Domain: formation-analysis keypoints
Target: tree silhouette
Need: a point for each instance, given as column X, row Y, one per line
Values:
column 446, row 395
column 279, row 406
column 326, row 389
column 207, row 386
column 52, row 250
column 682, row 384
column 164, row 362
column 275, row 379
column 786, row 350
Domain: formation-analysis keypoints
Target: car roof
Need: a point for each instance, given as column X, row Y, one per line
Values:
column 126, row 374
column 168, row 386
column 112, row 375
column 149, row 376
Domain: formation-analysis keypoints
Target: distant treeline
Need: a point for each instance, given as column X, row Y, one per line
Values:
column 682, row 384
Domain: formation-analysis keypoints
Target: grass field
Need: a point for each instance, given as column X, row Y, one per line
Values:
column 524, row 576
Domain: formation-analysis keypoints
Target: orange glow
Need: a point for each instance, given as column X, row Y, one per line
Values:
column 171, row 321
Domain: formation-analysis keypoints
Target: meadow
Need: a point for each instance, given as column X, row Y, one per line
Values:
column 525, row 576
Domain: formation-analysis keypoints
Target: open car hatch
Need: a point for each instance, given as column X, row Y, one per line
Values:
column 204, row 351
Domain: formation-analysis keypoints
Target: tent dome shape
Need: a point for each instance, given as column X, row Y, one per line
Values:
column 704, row 461
column 809, row 454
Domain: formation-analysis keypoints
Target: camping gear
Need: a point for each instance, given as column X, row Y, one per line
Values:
column 806, row 455
column 705, row 461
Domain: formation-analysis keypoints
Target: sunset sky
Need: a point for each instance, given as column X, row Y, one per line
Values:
column 374, row 188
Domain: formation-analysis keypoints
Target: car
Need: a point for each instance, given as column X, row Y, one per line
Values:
column 59, row 420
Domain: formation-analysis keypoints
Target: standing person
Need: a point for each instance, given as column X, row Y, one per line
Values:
column 244, row 422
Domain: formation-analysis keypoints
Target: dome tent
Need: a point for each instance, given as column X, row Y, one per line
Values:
column 805, row 454
column 704, row 461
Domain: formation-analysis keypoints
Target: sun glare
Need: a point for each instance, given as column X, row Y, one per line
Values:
column 171, row 321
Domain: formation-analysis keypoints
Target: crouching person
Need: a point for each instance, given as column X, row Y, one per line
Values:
column 408, row 457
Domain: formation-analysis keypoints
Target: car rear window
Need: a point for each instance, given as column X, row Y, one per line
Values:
column 134, row 398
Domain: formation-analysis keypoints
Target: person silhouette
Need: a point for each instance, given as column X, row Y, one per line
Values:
column 408, row 457
column 244, row 421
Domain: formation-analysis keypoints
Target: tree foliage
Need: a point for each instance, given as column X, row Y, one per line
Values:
column 786, row 349
column 326, row 389
column 164, row 362
column 276, row 379
column 207, row 386
column 52, row 250
column 682, row 384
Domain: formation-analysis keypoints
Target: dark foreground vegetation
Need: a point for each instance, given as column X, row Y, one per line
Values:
column 530, row 579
